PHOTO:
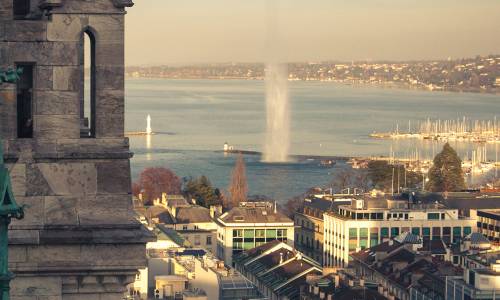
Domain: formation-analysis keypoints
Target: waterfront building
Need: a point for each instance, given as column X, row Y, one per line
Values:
column 368, row 222
column 488, row 223
column 277, row 270
column 250, row 225
column 66, row 150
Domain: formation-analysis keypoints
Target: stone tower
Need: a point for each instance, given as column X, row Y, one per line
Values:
column 66, row 151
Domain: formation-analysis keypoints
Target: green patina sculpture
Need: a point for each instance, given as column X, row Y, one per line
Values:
column 10, row 75
column 8, row 206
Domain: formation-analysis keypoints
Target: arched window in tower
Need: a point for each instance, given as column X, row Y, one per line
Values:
column 88, row 103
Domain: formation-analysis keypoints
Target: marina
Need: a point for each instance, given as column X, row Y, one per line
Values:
column 465, row 130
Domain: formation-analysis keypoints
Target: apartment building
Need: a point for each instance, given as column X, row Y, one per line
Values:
column 368, row 222
column 250, row 225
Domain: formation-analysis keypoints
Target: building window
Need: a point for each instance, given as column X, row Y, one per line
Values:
column 197, row 240
column 25, row 101
column 467, row 230
column 373, row 236
column 209, row 240
column 384, row 232
column 184, row 227
column 21, row 9
column 426, row 233
column 436, row 233
column 88, row 100
column 394, row 231
column 238, row 233
column 433, row 216
column 415, row 230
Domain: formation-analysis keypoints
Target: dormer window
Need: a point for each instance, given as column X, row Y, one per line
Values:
column 21, row 9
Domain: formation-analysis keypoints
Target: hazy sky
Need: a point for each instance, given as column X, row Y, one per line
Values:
column 204, row 31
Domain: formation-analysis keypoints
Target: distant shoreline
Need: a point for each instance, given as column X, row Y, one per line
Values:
column 387, row 85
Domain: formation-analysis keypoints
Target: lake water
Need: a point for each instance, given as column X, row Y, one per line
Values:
column 193, row 119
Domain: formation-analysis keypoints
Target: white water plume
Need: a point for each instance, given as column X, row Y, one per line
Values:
column 277, row 143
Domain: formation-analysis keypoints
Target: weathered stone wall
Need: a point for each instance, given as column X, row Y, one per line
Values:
column 79, row 239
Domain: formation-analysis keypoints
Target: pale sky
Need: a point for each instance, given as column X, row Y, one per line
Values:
column 214, row 31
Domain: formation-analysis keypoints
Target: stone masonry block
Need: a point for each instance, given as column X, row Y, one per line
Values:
column 34, row 212
column 18, row 179
column 113, row 177
column 110, row 54
column 111, row 102
column 35, row 286
column 32, row 31
column 102, row 6
column 44, row 54
column 57, row 102
column 61, row 210
column 66, row 78
column 57, row 126
column 108, row 28
column 6, row 10
column 70, row 179
column 53, row 254
column 110, row 77
column 109, row 125
column 44, row 78
column 17, row 254
column 114, row 255
column 105, row 210
column 36, row 184
column 66, row 27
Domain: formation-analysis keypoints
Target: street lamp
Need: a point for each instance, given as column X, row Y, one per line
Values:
column 8, row 206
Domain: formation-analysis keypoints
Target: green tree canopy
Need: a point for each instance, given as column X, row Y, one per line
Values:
column 202, row 191
column 446, row 175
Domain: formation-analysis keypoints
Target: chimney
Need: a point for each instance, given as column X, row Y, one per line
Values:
column 174, row 211
column 275, row 209
column 164, row 198
column 281, row 258
column 212, row 212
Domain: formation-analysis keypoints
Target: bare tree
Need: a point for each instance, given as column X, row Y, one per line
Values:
column 155, row 181
column 238, row 188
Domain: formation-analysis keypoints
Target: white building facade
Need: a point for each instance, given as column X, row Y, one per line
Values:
column 362, row 224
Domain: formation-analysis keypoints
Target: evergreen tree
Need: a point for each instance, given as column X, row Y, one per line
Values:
column 446, row 174
column 202, row 191
column 238, row 188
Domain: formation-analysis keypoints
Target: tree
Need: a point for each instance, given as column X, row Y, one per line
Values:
column 446, row 174
column 155, row 181
column 202, row 191
column 238, row 188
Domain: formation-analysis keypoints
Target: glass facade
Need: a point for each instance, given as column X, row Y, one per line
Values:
column 245, row 239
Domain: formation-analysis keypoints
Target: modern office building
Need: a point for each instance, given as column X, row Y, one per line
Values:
column 249, row 225
column 368, row 222
column 488, row 223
